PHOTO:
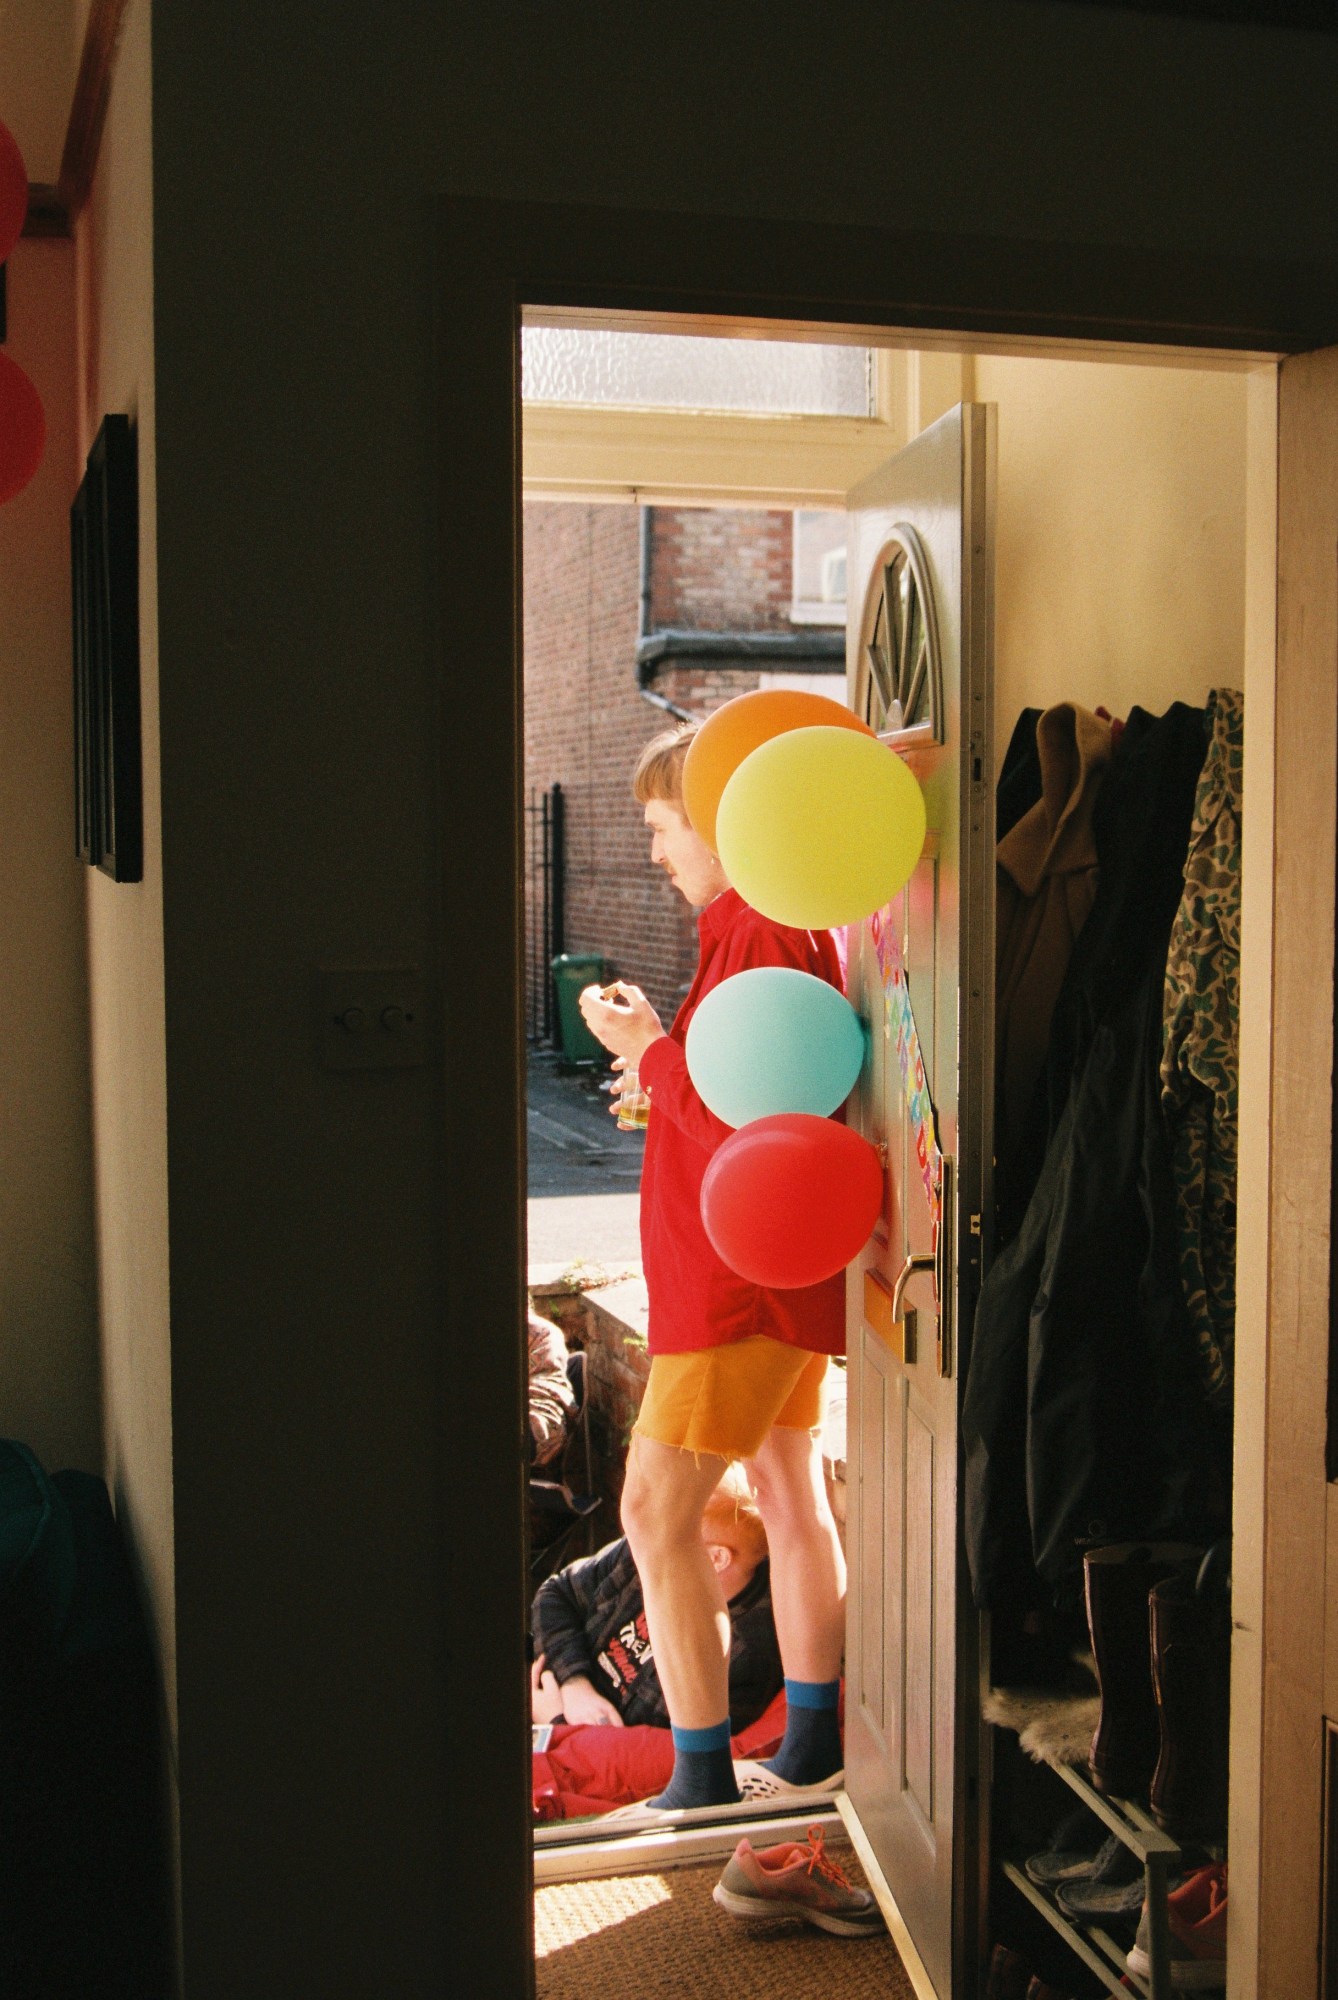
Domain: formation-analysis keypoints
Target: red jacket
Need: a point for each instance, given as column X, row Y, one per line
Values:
column 695, row 1299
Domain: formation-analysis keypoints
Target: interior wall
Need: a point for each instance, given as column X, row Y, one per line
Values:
column 317, row 565
column 48, row 1354
column 125, row 920
column 1120, row 534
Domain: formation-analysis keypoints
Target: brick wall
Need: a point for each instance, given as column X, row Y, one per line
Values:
column 585, row 719
column 721, row 569
column 585, row 723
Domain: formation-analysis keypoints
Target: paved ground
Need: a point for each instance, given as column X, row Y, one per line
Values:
column 584, row 1175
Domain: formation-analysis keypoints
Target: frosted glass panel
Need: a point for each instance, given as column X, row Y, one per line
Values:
column 671, row 371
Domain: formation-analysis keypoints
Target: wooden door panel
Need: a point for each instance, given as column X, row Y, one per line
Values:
column 920, row 549
column 871, row 1428
column 920, row 1699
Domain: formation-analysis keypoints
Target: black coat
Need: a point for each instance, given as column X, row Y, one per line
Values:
column 1082, row 1417
column 590, row 1619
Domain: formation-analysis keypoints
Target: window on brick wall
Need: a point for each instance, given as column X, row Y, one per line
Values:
column 819, row 567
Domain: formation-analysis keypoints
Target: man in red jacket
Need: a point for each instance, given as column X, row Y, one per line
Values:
column 736, row 1369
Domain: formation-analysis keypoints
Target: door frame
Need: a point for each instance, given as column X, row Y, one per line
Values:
column 494, row 259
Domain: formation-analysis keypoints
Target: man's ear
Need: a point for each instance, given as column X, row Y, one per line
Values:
column 721, row 1557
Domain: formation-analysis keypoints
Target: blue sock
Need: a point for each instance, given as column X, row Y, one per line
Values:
column 811, row 1746
column 703, row 1769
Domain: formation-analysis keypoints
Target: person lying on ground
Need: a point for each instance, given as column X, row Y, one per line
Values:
column 594, row 1661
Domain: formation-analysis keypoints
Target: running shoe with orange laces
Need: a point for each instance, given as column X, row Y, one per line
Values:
column 796, row 1880
column 1196, row 1916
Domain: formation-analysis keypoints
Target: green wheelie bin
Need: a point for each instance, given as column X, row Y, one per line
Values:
column 573, row 971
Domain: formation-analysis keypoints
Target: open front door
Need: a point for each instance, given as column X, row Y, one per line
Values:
column 921, row 975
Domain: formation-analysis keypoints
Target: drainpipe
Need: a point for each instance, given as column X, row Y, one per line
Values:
column 644, row 689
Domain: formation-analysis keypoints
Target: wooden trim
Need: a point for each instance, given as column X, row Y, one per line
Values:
column 1295, row 1493
column 1253, row 1291
column 608, row 261
column 47, row 215
column 88, row 112
column 1331, row 1609
column 1328, row 1954
column 914, row 1966
column 678, row 458
column 54, row 211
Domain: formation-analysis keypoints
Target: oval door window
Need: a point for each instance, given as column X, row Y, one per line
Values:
column 900, row 672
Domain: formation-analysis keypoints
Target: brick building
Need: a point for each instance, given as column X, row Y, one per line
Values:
column 632, row 617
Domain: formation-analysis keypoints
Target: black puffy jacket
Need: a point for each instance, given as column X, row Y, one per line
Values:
column 1083, row 1418
column 590, row 1619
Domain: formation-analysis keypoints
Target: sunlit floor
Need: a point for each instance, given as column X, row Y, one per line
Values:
column 660, row 1937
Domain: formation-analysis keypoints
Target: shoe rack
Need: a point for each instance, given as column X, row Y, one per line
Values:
column 1159, row 1856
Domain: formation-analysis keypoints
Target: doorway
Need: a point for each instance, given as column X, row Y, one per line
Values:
column 753, row 301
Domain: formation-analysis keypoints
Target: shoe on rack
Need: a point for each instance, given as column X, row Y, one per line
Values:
column 1054, row 1866
column 1113, row 1887
column 796, row 1880
column 1196, row 1915
column 755, row 1782
column 1075, row 1847
column 1009, row 1975
column 1102, row 1902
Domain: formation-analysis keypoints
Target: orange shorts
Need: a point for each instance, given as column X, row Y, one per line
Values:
column 724, row 1400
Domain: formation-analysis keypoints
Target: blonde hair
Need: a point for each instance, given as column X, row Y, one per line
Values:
column 733, row 1514
column 659, row 768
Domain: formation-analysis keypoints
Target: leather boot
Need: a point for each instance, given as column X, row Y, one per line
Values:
column 1118, row 1580
column 1191, row 1676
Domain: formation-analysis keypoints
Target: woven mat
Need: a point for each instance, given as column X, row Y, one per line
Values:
column 661, row 1937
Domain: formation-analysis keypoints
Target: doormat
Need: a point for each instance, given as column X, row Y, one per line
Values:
column 661, row 1937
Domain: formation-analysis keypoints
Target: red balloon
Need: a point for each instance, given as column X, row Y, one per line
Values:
column 13, row 192
column 22, row 429
column 789, row 1200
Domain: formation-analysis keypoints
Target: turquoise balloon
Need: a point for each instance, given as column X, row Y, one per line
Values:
column 771, row 1040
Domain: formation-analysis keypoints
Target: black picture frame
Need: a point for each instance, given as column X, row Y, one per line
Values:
column 104, row 557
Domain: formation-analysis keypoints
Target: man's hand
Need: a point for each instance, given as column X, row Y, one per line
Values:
column 626, row 1026
column 545, row 1694
column 582, row 1702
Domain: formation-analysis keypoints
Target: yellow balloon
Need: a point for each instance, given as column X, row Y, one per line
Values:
column 820, row 827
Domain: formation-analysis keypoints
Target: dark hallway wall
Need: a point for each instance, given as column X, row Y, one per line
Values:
column 313, row 552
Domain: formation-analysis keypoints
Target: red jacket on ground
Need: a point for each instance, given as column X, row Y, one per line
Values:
column 595, row 1769
column 695, row 1299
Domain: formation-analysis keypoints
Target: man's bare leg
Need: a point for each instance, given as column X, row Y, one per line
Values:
column 808, row 1598
column 664, row 1496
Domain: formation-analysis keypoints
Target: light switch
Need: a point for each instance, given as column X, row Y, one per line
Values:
column 371, row 1017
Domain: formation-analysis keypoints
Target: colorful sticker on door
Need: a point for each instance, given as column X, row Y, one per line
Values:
column 910, row 1058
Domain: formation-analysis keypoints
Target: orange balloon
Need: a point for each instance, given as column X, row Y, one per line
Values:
column 734, row 731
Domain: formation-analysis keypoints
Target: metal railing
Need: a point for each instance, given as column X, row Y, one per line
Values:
column 545, row 911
